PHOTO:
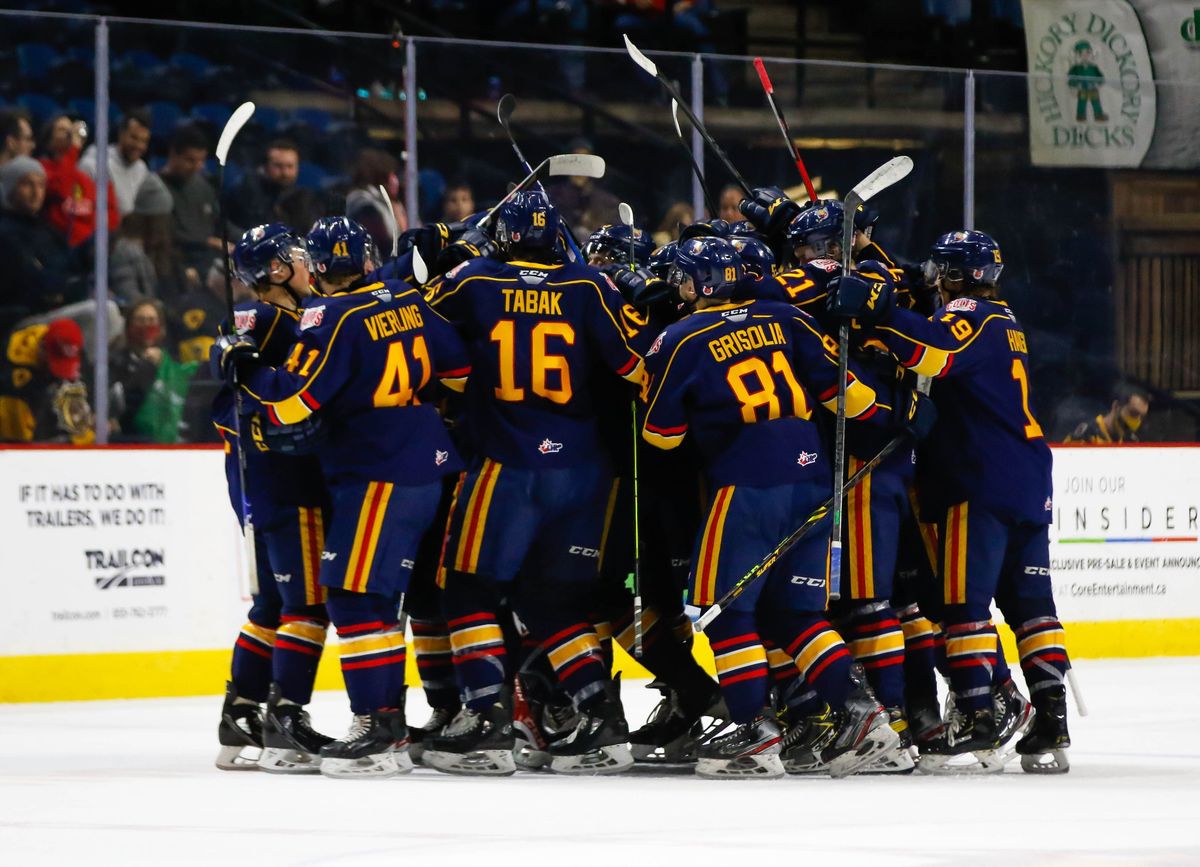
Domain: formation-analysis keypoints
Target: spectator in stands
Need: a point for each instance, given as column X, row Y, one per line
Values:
column 39, row 268
column 16, row 135
column 271, row 193
column 70, row 194
column 133, row 368
column 126, row 168
column 731, row 196
column 581, row 202
column 1129, row 408
column 458, row 202
column 193, row 318
column 195, row 209
column 375, row 168
column 143, row 262
column 677, row 217
column 42, row 396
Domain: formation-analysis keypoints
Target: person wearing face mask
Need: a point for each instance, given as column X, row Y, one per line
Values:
column 1120, row 424
column 134, row 368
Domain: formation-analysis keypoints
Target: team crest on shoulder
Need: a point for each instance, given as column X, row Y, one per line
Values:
column 829, row 265
column 453, row 272
column 244, row 320
column 313, row 316
column 657, row 344
column 440, row 457
column 962, row 304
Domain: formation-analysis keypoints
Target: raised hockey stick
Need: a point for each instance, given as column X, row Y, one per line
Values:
column 233, row 126
column 891, row 172
column 763, row 566
column 393, row 228
column 587, row 165
column 769, row 90
column 626, row 214
column 504, row 112
column 708, row 199
column 649, row 66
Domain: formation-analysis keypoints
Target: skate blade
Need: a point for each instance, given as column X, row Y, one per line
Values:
column 282, row 760
column 481, row 763
column 898, row 761
column 974, row 764
column 765, row 766
column 239, row 758
column 529, row 758
column 1053, row 762
column 380, row 766
column 416, row 752
column 612, row 759
column 879, row 740
column 1007, row 750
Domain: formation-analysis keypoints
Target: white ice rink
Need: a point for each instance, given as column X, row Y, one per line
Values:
column 132, row 782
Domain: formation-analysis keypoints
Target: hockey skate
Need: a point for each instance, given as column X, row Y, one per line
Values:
column 1014, row 717
column 900, row 759
column 967, row 746
column 376, row 747
column 672, row 734
column 1044, row 749
column 290, row 745
column 530, row 752
column 924, row 719
column 475, row 743
column 599, row 743
column 239, row 733
column 864, row 731
column 749, row 750
column 804, row 742
column 419, row 736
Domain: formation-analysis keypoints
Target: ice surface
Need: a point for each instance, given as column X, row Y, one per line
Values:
column 132, row 782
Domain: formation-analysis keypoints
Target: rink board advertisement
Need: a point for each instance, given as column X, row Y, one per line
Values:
column 124, row 576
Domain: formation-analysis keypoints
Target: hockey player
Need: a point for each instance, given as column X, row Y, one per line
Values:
column 744, row 378
column 276, row 655
column 536, row 498
column 366, row 359
column 990, row 487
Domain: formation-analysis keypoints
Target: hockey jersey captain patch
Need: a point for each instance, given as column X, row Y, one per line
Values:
column 313, row 316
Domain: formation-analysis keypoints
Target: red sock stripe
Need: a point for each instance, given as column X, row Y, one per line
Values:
column 284, row 644
column 570, row 632
column 470, row 618
column 589, row 659
column 795, row 646
column 748, row 638
column 390, row 659
column 866, row 630
column 356, row 628
column 748, row 674
column 973, row 661
column 839, row 653
column 884, row 662
column 477, row 654
column 253, row 648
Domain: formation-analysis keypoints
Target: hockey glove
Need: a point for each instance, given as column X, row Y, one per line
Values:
column 706, row 229
column 231, row 352
column 301, row 438
column 915, row 413
column 770, row 210
column 639, row 287
column 865, row 297
column 473, row 244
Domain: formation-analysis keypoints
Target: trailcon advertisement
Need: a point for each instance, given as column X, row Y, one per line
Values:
column 1114, row 83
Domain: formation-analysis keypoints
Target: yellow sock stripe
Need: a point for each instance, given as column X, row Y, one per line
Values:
column 1056, row 638
column 865, row 648
column 741, row 658
column 260, row 633
column 968, row 645
column 487, row 635
column 918, row 627
column 564, row 654
column 303, row 629
column 371, row 643
column 608, row 517
column 423, row 644
column 815, row 649
column 777, row 659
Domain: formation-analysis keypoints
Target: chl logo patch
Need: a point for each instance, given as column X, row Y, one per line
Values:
column 549, row 447
column 440, row 457
column 806, row 458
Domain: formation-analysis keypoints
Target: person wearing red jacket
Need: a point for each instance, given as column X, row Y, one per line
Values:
column 70, row 193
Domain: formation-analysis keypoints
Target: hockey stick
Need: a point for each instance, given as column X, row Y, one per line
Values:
column 764, row 565
column 891, row 172
column 391, row 219
column 233, row 126
column 708, row 199
column 769, row 89
column 648, row 65
column 626, row 214
column 1080, row 705
column 587, row 165
column 504, row 112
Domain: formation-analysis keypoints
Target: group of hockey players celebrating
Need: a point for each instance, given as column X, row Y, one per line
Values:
column 525, row 447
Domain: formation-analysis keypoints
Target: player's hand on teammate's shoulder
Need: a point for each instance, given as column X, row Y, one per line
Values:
column 230, row 352
column 867, row 295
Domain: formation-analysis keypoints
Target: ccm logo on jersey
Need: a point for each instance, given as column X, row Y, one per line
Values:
column 1037, row 570
column 533, row 276
column 964, row 304
column 805, row 581
column 313, row 316
column 548, row 447
column 284, row 578
column 329, row 555
column 243, row 320
column 584, row 552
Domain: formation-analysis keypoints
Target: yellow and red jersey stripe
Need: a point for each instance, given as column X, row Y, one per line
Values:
column 710, row 548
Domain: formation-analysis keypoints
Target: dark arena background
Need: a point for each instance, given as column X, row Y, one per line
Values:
column 170, row 369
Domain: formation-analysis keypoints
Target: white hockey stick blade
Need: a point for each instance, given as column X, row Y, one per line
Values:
column 893, row 171
column 675, row 117
column 585, row 165
column 505, row 108
column 640, row 59
column 626, row 214
column 420, row 269
column 1080, row 704
column 393, row 228
column 707, row 617
column 233, row 126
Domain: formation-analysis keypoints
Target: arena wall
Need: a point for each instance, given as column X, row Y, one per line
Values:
column 123, row 574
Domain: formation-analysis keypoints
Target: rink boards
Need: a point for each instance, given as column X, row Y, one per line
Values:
column 124, row 575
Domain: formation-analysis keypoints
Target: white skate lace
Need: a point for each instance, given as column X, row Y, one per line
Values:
column 359, row 726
